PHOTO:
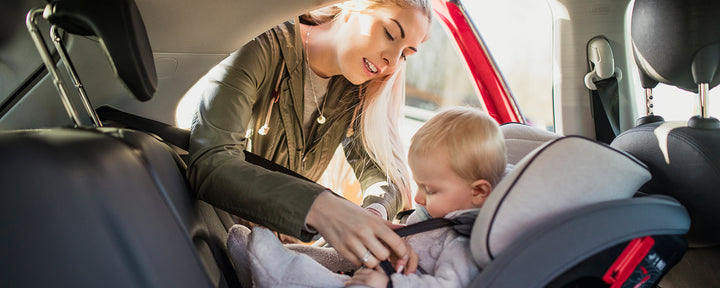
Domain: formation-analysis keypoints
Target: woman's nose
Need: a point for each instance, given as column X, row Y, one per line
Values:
column 391, row 59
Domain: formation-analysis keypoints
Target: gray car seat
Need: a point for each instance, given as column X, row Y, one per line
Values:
column 566, row 213
column 678, row 43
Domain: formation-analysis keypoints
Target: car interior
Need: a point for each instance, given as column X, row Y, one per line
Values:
column 102, row 199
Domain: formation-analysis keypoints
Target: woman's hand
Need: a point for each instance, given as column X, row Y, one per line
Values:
column 358, row 235
column 369, row 277
column 410, row 266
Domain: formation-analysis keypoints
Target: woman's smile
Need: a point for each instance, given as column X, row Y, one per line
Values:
column 370, row 68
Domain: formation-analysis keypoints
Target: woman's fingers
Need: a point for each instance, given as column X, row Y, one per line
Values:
column 378, row 249
column 364, row 243
column 411, row 264
column 368, row 259
column 353, row 232
column 397, row 246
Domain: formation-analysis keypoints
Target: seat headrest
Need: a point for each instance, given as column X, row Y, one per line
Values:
column 521, row 139
column 120, row 27
column 563, row 175
column 677, row 42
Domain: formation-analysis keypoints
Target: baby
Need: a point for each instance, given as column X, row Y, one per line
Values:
column 456, row 159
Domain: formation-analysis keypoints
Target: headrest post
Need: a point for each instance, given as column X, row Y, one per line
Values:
column 703, row 99
column 649, row 102
column 49, row 63
column 60, row 47
column 702, row 119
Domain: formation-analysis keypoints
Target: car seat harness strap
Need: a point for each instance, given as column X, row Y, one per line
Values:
column 462, row 224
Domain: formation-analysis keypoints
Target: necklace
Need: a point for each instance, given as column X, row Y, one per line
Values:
column 320, row 119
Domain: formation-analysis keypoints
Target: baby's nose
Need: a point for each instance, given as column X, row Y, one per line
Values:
column 420, row 198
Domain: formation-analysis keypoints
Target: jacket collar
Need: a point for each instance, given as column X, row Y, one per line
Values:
column 293, row 48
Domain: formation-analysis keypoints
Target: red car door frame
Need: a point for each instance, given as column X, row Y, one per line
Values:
column 488, row 83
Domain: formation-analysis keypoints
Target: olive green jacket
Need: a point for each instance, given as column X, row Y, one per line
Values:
column 236, row 96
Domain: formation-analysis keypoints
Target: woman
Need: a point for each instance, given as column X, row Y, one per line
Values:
column 292, row 95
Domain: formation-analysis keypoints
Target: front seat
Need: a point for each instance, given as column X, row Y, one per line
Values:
column 92, row 206
column 678, row 43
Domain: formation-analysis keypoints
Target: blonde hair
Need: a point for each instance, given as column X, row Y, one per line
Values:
column 471, row 140
column 329, row 13
column 381, row 101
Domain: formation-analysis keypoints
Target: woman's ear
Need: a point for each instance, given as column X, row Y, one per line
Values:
column 481, row 190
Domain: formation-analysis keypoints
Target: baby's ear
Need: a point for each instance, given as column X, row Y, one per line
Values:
column 481, row 190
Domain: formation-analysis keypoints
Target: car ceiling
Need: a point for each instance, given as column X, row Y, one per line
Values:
column 188, row 26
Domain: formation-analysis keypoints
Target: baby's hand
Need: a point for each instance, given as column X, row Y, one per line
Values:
column 369, row 277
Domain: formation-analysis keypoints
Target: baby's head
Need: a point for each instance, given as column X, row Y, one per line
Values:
column 456, row 159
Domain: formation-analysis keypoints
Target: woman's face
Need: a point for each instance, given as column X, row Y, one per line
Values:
column 373, row 44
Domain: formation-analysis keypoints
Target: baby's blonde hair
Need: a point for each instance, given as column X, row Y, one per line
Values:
column 471, row 140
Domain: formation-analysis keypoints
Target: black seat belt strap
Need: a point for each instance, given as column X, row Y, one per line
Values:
column 179, row 137
column 427, row 225
column 606, row 109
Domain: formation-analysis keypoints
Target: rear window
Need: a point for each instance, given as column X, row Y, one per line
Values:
column 675, row 104
column 436, row 78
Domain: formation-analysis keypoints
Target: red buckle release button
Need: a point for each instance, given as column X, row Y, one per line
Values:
column 628, row 260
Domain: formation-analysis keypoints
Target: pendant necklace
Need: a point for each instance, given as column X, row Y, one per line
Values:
column 320, row 119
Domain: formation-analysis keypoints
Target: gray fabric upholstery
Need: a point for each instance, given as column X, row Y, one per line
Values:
column 521, row 139
column 562, row 175
column 545, row 251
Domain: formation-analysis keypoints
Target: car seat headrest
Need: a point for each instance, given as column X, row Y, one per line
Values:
column 121, row 30
column 677, row 42
column 562, row 175
column 521, row 139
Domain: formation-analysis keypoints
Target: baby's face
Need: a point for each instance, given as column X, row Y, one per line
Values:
column 440, row 190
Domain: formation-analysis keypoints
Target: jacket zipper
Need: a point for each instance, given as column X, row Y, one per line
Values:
column 303, row 157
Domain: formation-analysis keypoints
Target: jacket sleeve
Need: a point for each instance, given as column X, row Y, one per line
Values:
column 218, row 172
column 373, row 181
column 454, row 268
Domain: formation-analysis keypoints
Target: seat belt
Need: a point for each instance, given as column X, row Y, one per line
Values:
column 602, row 82
column 178, row 137
column 606, row 109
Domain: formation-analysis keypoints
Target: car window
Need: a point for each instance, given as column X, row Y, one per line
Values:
column 675, row 104
column 436, row 78
column 518, row 35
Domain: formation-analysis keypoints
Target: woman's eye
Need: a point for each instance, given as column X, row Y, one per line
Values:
column 390, row 37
